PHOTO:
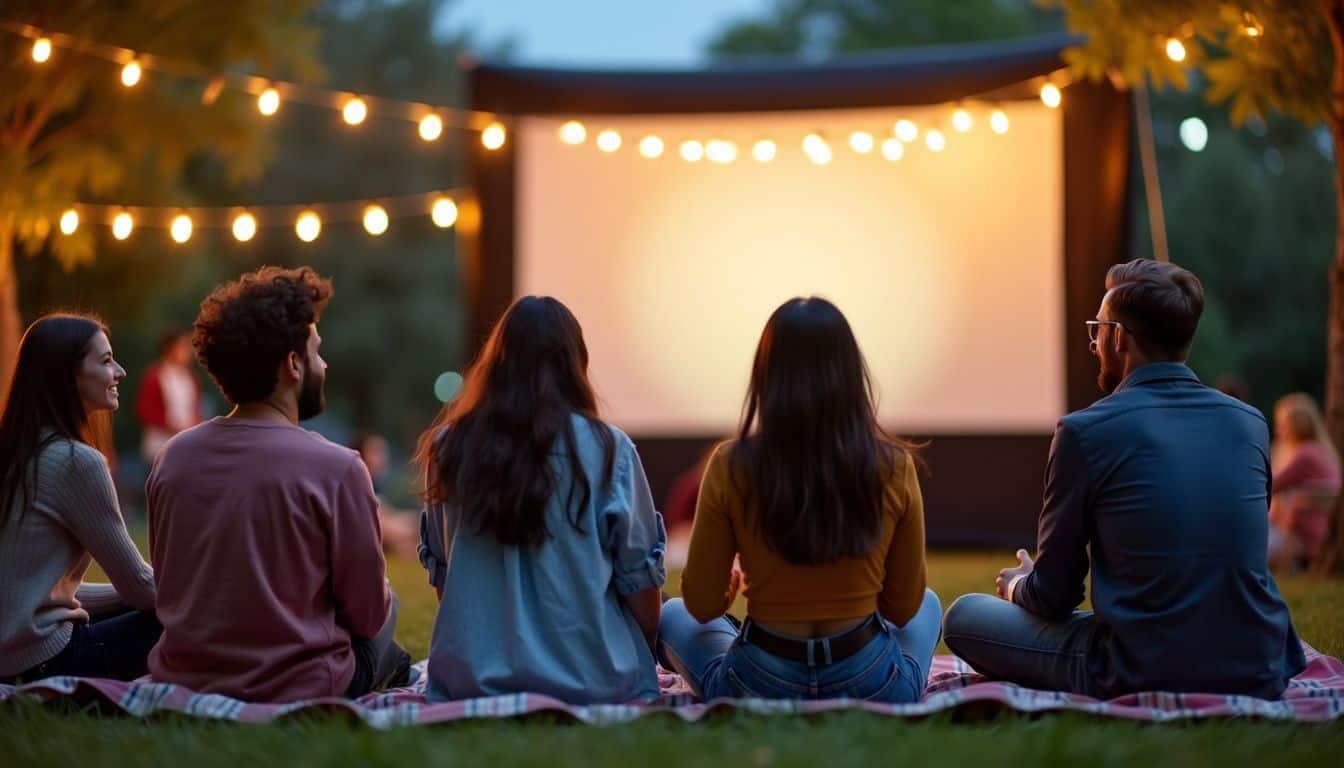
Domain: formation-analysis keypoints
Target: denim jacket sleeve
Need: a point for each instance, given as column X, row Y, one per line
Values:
column 433, row 544
column 632, row 529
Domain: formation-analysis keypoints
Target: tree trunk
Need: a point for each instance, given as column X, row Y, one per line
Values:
column 1331, row 558
column 9, row 305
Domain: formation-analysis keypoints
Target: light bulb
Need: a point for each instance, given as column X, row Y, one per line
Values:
column 573, row 132
column 354, row 111
column 308, row 226
column 651, row 147
column 816, row 149
column 906, row 130
column 1194, row 134
column 375, row 220
column 431, row 127
column 935, row 140
column 42, row 50
column 122, row 224
column 1175, row 49
column 764, row 151
column 861, row 142
column 692, row 151
column 69, row 221
column 493, row 136
column 998, row 121
column 962, row 121
column 893, row 149
column 444, row 212
column 608, row 141
column 244, row 227
column 180, row 229
column 130, row 73
column 720, row 151
column 268, row 103
column 1050, row 95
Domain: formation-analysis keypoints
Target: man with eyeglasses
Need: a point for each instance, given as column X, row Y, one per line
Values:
column 1162, row 490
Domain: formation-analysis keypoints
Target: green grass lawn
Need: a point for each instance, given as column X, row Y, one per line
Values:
column 33, row 736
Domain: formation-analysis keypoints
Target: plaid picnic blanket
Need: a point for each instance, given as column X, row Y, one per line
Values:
column 1317, row 695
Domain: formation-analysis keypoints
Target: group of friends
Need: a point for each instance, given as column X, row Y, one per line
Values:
column 541, row 537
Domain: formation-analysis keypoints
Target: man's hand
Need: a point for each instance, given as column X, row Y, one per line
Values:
column 1009, row 577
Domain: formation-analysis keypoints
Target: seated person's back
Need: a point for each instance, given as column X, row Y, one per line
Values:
column 269, row 567
column 256, row 528
column 1180, row 484
column 539, row 530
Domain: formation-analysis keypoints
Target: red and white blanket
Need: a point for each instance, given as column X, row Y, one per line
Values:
column 1317, row 695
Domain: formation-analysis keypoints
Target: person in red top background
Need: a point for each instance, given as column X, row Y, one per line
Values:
column 169, row 399
column 1306, row 480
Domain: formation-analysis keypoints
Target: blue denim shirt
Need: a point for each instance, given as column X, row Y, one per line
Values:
column 550, row 620
column 1167, row 481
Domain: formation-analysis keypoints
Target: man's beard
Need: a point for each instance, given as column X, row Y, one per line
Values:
column 1109, row 377
column 312, row 398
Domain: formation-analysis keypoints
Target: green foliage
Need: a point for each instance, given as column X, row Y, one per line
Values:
column 818, row 27
column 72, row 132
column 1259, row 55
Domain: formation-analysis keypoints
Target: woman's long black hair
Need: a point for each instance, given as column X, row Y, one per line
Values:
column 488, row 453
column 810, row 459
column 43, row 395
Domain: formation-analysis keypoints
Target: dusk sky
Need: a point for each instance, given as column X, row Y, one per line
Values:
column 600, row 32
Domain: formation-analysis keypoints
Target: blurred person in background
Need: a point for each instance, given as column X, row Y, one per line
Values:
column 1306, row 481
column 401, row 530
column 169, row 400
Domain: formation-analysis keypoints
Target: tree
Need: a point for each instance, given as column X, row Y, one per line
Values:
column 1259, row 56
column 69, row 131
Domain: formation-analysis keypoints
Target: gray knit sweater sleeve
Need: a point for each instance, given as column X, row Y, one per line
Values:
column 79, row 488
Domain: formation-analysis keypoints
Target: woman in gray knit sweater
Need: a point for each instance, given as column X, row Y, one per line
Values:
column 59, row 512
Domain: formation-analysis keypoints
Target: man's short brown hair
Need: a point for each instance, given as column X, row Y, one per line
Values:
column 1158, row 303
column 247, row 327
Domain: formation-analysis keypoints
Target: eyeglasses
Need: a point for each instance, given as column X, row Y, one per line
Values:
column 1093, row 327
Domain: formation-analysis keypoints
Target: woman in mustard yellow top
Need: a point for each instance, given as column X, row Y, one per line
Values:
column 823, row 510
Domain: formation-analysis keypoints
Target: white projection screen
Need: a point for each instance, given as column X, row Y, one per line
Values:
column 949, row 265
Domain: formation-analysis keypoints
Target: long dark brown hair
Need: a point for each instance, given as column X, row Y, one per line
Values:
column 43, row 395
column 488, row 453
column 810, row 459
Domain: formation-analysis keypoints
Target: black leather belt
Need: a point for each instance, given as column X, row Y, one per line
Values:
column 816, row 652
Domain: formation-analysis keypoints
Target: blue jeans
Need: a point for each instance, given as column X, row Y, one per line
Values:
column 1003, row 641
column 893, row 668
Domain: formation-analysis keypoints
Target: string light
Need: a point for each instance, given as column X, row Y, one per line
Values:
column 961, row 121
column 122, row 225
column 69, row 221
column 375, row 220
column 573, row 132
column 1050, row 95
column 935, row 140
column 268, row 103
column 651, row 147
column 608, row 141
column 906, row 130
column 493, row 136
column 893, row 149
column 130, row 73
column 692, row 151
column 431, row 127
column 1175, row 49
column 764, row 151
column 354, row 111
column 42, row 50
column 244, row 227
column 180, row 229
column 308, row 226
column 721, row 151
column 816, row 149
column 444, row 212
column 998, row 121
column 861, row 142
